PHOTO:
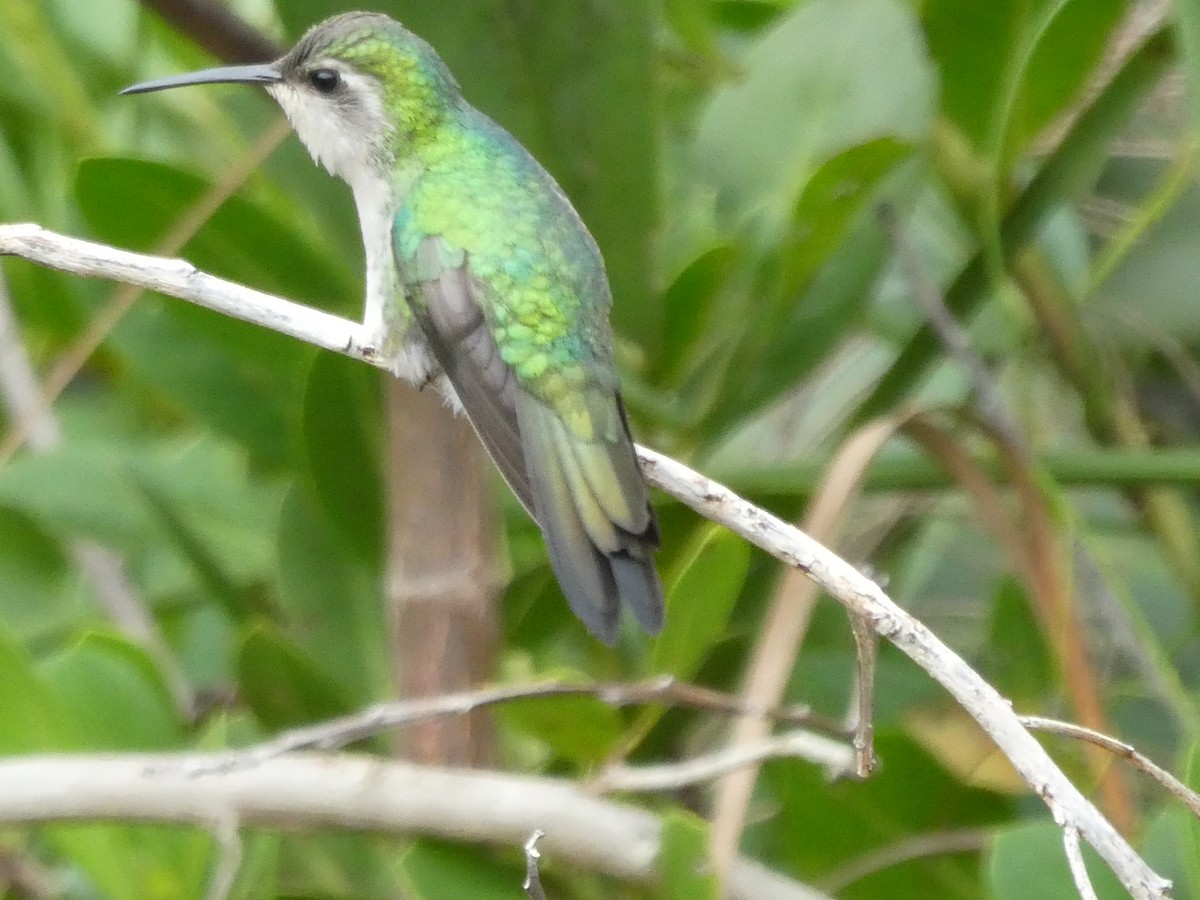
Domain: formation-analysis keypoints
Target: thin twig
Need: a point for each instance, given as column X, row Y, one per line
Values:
column 782, row 635
column 966, row 840
column 533, row 879
column 1079, row 872
column 866, row 645
column 953, row 336
column 1043, row 550
column 857, row 593
column 837, row 759
column 1177, row 788
column 228, row 858
column 344, row 730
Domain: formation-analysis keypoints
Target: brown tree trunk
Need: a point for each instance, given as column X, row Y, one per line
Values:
column 442, row 569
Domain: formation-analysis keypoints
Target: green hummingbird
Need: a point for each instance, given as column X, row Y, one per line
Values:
column 482, row 277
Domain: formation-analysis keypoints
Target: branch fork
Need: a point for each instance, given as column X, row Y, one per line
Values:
column 861, row 597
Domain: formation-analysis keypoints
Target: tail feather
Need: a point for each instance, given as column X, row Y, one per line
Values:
column 597, row 520
column 640, row 589
column 594, row 516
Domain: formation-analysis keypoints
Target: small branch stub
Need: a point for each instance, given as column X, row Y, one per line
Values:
column 533, row 881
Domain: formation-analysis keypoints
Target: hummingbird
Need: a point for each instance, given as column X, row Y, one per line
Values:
column 481, row 278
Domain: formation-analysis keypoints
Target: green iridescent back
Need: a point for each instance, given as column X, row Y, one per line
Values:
column 482, row 193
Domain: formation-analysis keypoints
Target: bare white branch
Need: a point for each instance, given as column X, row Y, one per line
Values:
column 335, row 733
column 1178, row 789
column 1079, row 872
column 533, row 878
column 836, row 757
column 852, row 589
column 181, row 279
column 349, row 791
column 864, row 598
column 229, row 858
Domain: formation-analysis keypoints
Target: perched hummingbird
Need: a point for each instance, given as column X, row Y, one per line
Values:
column 480, row 274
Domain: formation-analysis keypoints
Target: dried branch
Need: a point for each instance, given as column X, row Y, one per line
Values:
column 862, row 715
column 533, row 879
column 837, row 759
column 181, row 231
column 922, row 846
column 344, row 730
column 349, row 791
column 857, row 593
column 218, row 29
column 1177, row 788
column 1079, row 872
column 785, row 625
column 1042, row 548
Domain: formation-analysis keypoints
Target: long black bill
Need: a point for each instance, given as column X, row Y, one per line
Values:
column 259, row 74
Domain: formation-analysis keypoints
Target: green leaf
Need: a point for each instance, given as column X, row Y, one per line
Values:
column 1187, row 26
column 1190, row 838
column 237, row 603
column 34, row 719
column 134, row 203
column 1069, row 170
column 1073, row 42
column 148, row 500
column 701, row 598
column 1019, row 663
column 240, row 378
column 688, row 304
column 333, row 600
column 342, row 439
column 1028, row 862
column 583, row 730
column 82, row 491
column 435, row 870
column 979, row 46
column 38, row 720
column 114, row 694
column 36, row 597
column 282, row 684
column 683, row 859
column 814, row 87
column 911, row 794
column 813, row 287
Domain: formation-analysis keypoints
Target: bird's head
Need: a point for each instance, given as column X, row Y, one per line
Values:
column 357, row 89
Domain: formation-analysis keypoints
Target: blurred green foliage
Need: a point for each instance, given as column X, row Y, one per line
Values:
column 730, row 156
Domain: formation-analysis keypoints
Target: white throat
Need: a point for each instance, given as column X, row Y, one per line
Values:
column 345, row 139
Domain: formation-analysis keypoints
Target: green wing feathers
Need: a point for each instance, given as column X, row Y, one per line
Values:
column 572, row 464
column 592, row 504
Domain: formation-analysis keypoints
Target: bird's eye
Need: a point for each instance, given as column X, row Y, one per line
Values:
column 324, row 81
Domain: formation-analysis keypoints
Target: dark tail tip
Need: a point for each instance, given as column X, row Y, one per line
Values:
column 640, row 589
